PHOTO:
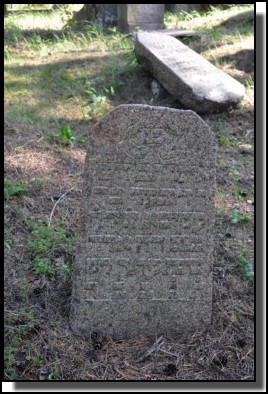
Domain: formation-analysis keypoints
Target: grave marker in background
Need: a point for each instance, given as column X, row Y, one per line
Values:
column 140, row 16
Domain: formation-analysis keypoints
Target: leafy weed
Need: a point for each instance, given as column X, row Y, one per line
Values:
column 14, row 188
column 239, row 217
column 247, row 267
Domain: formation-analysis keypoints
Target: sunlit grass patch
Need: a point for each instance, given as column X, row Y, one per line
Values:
column 250, row 83
column 49, row 67
column 35, row 21
column 204, row 20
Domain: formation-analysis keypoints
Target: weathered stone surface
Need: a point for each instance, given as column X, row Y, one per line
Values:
column 141, row 16
column 157, row 90
column 181, row 33
column 144, row 261
column 190, row 78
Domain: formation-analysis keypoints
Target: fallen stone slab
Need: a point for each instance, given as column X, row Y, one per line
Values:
column 181, row 33
column 190, row 78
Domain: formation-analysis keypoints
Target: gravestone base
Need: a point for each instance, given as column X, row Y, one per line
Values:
column 141, row 318
column 145, row 255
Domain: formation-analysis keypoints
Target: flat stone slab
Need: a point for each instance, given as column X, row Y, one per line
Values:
column 144, row 259
column 181, row 33
column 190, row 78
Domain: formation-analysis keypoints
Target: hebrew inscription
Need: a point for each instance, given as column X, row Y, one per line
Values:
column 144, row 260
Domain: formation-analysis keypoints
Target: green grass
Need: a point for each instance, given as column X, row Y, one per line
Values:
column 66, row 137
column 14, row 188
column 48, row 33
column 54, row 63
column 207, row 19
column 97, row 103
column 224, row 138
column 66, row 62
column 19, row 324
column 229, row 141
column 43, row 267
column 10, row 239
column 50, row 250
column 239, row 19
column 102, row 89
column 45, row 239
column 250, row 83
column 247, row 267
column 36, row 20
column 111, row 74
column 237, row 217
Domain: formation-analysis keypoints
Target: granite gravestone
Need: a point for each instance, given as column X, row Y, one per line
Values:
column 140, row 16
column 185, row 74
column 144, row 260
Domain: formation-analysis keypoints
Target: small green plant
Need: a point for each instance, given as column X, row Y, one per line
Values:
column 7, row 245
column 95, row 30
column 131, row 58
column 65, row 272
column 228, row 141
column 225, row 139
column 43, row 266
column 7, row 53
column 37, row 39
column 14, row 188
column 36, row 362
column 219, row 63
column 110, row 90
column 9, row 359
column 239, row 217
column 19, row 324
column 97, row 103
column 13, row 375
column 234, row 177
column 48, row 247
column 250, row 83
column 93, row 96
column 111, row 74
column 45, row 239
column 247, row 267
column 22, row 316
column 8, row 241
column 65, row 136
column 110, row 38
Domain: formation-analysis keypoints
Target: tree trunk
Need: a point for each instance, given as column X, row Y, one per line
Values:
column 87, row 14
